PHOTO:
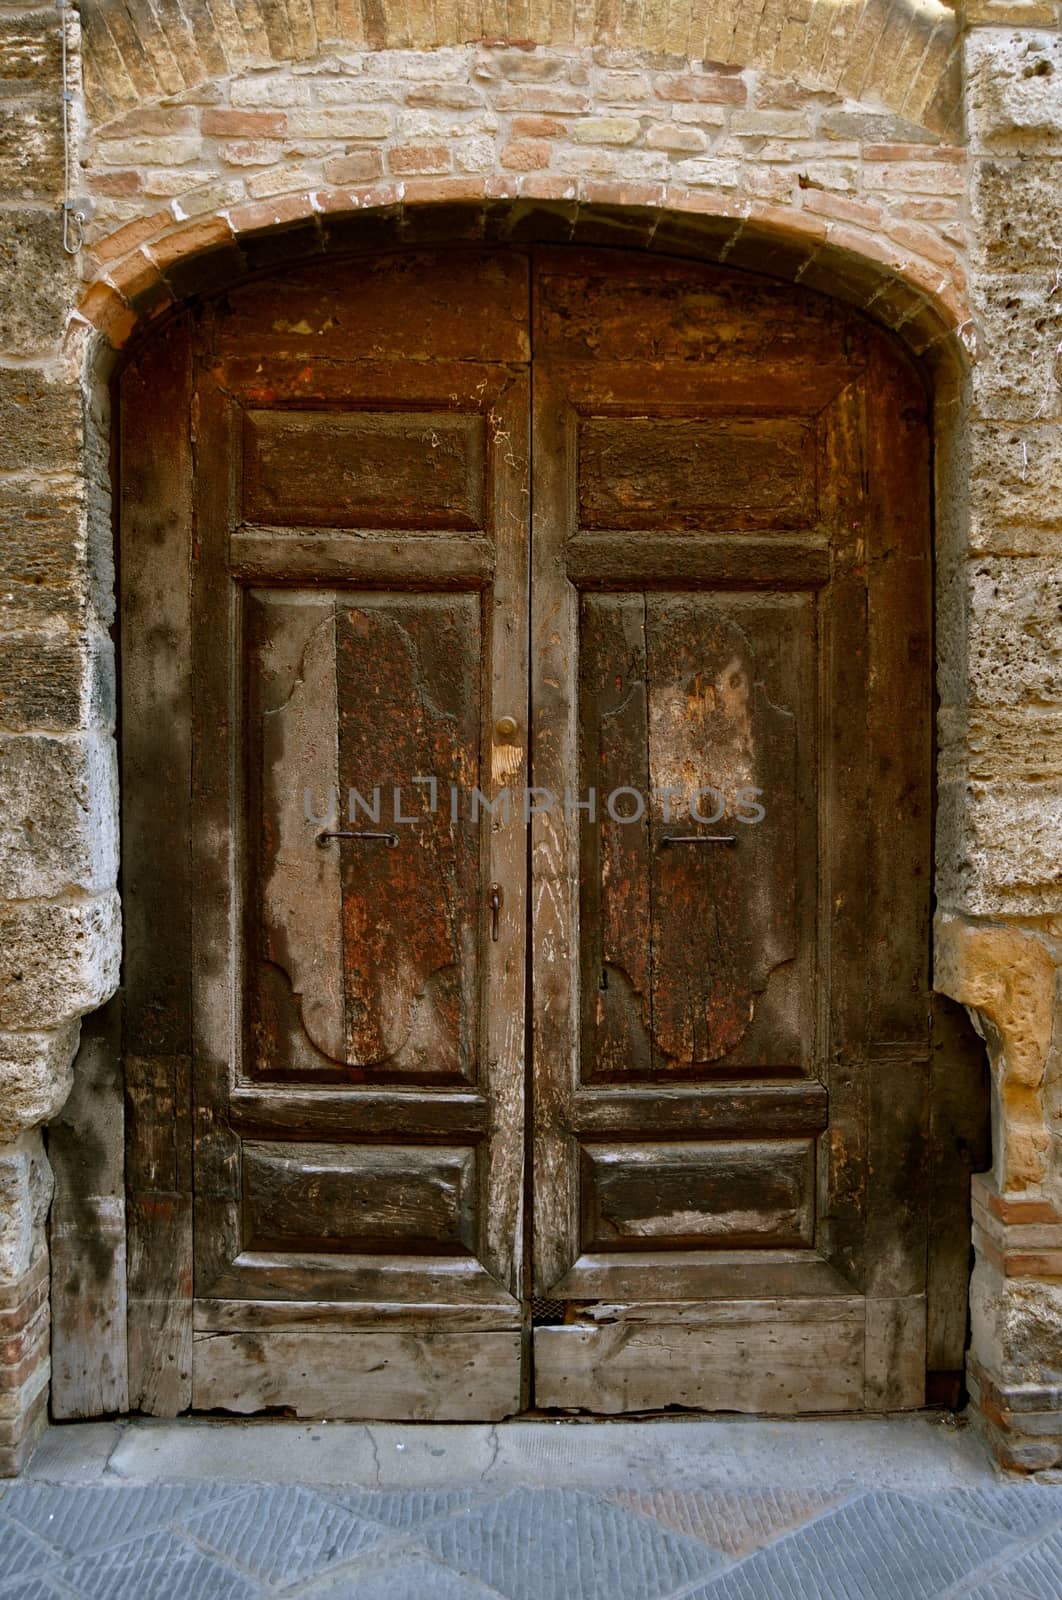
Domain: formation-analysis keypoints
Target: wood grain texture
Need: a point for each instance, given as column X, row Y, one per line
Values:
column 785, row 1366
column 87, row 1230
column 410, row 1377
column 156, row 546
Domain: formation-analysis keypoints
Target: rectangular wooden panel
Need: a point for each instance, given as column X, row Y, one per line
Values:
column 345, row 469
column 410, row 1377
column 697, row 473
column 702, row 849
column 299, row 1196
column 774, row 1360
column 359, row 703
column 709, row 1193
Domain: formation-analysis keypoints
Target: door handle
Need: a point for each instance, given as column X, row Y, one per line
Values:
column 495, row 903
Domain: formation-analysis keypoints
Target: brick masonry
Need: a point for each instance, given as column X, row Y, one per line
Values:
column 883, row 153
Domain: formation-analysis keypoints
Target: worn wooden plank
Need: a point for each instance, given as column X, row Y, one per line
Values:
column 331, row 1114
column 87, row 1229
column 784, row 1366
column 615, row 863
column 895, row 1376
column 661, row 560
column 412, row 1377
column 156, row 531
column 554, row 841
column 283, row 554
column 721, row 1110
column 464, row 1311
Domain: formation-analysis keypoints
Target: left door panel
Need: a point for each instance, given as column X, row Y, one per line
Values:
column 345, row 563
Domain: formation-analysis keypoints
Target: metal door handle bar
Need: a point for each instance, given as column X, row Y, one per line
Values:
column 391, row 838
column 699, row 838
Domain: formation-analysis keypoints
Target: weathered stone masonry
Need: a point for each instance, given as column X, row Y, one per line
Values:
column 897, row 154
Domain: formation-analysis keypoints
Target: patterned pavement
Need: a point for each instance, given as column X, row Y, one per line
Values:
column 231, row 1541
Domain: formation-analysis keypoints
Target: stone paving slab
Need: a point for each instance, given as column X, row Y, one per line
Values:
column 787, row 1526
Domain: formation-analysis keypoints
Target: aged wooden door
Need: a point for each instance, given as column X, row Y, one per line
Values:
column 389, row 528
column 730, row 645
column 325, row 576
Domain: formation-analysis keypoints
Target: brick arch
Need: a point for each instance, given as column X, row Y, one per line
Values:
column 919, row 297
column 902, row 55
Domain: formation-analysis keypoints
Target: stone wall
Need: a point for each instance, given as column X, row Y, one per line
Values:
column 892, row 153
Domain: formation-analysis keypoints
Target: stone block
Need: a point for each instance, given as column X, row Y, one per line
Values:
column 606, row 130
column 56, row 679
column 1014, row 89
column 1015, row 503
column 29, row 52
column 1015, row 631
column 1019, row 331
column 1016, row 1327
column 31, row 149
column 357, row 123
column 25, row 1194
column 40, row 417
column 1001, row 858
column 36, row 1074
column 58, row 959
column 1015, row 213
column 31, row 253
column 875, row 127
column 59, row 823
column 42, row 548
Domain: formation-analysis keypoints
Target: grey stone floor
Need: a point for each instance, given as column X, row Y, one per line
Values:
column 723, row 1509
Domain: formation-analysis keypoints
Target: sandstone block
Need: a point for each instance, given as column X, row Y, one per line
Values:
column 175, row 151
column 1014, row 86
column 25, row 1194
column 606, row 130
column 355, row 123
column 36, row 1075
column 360, row 166
column 30, row 253
column 1015, row 503
column 526, row 155
column 519, row 66
column 251, row 153
column 58, row 959
column 712, row 88
column 874, row 127
column 31, row 149
column 718, row 174
column 243, row 124
column 620, row 88
column 445, row 97
column 1017, row 1327
column 40, row 418
column 419, row 159
column 1015, row 212
column 1015, row 631
column 59, row 825
column 1019, row 329
column 29, row 51
column 275, row 92
column 679, row 140
column 475, row 155
column 56, row 679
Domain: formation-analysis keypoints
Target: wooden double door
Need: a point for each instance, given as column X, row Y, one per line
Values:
column 526, row 730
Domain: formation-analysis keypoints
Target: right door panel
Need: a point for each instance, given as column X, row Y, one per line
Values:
column 730, row 660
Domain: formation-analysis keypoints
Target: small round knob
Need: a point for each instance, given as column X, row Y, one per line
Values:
column 505, row 727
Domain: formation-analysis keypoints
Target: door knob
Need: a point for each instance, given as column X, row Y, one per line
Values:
column 505, row 727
